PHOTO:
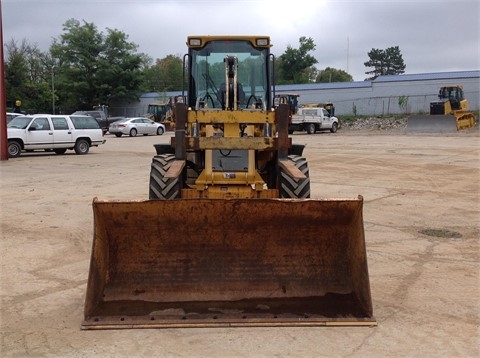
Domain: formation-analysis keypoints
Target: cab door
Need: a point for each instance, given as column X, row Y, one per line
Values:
column 39, row 134
column 326, row 119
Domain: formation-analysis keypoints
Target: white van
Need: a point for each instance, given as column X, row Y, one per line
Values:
column 53, row 132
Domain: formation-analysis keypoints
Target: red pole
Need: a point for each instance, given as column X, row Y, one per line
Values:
column 3, row 99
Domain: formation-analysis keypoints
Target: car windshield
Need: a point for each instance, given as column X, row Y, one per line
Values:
column 19, row 122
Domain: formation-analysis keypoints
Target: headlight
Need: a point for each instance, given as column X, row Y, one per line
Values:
column 262, row 42
column 194, row 42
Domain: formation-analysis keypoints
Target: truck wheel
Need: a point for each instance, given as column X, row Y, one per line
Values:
column 310, row 128
column 291, row 188
column 14, row 149
column 161, row 187
column 334, row 127
column 82, row 146
column 60, row 150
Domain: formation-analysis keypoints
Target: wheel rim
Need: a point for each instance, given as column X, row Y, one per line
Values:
column 13, row 150
column 133, row 132
column 82, row 147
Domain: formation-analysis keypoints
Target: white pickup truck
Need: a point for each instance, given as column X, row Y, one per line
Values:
column 55, row 133
column 313, row 119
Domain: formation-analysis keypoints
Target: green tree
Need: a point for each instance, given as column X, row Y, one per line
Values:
column 120, row 68
column 165, row 75
column 27, row 77
column 385, row 62
column 296, row 64
column 330, row 74
column 93, row 68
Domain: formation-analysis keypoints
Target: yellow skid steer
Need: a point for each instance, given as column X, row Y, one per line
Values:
column 229, row 235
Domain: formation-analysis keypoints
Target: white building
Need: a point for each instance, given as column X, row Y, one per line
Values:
column 385, row 95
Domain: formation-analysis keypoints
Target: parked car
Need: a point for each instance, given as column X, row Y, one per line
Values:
column 103, row 120
column 11, row 116
column 53, row 132
column 136, row 125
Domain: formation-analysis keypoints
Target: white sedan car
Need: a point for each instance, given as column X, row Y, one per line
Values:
column 136, row 125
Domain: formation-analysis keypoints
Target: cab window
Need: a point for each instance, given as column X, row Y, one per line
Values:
column 40, row 124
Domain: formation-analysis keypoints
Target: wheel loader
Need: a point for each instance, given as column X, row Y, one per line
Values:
column 448, row 114
column 229, row 235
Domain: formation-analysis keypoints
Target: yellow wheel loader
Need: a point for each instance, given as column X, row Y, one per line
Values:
column 229, row 235
column 448, row 114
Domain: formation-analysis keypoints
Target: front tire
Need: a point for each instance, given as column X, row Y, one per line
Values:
column 161, row 187
column 82, row 146
column 292, row 188
column 159, row 131
column 334, row 127
column 14, row 149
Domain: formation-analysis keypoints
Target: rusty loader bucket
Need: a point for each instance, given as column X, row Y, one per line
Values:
column 228, row 262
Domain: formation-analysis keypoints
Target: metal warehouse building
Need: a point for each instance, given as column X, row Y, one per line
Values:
column 385, row 95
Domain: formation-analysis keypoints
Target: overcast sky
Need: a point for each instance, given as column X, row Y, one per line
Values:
column 433, row 36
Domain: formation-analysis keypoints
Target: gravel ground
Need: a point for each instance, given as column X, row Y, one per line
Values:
column 421, row 221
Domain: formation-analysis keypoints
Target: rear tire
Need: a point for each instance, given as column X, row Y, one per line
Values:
column 310, row 128
column 60, row 151
column 133, row 132
column 295, row 189
column 160, row 187
column 82, row 146
column 118, row 135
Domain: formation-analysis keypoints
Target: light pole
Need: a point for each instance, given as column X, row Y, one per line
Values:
column 53, row 89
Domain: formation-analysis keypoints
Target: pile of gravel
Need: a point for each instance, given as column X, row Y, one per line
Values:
column 375, row 123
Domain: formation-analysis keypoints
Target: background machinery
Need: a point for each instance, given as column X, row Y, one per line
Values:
column 229, row 235
column 162, row 112
column 449, row 113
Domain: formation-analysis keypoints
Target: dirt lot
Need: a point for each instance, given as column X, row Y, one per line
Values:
column 421, row 224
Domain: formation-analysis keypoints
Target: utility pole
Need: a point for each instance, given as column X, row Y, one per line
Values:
column 53, row 89
column 348, row 52
column 3, row 99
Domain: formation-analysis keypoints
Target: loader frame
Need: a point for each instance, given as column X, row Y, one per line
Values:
column 229, row 235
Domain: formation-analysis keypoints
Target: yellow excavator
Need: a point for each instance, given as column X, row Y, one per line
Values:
column 229, row 235
column 450, row 113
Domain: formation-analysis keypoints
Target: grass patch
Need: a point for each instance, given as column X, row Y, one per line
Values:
column 441, row 233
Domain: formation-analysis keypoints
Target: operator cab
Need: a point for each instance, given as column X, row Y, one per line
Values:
column 229, row 74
